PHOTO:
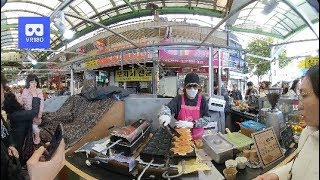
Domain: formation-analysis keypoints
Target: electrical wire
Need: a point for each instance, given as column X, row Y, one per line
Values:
column 144, row 170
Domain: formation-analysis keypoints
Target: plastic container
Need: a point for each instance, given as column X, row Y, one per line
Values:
column 241, row 162
column 249, row 127
column 231, row 163
column 230, row 173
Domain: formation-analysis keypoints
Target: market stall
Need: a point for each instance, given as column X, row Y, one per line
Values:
column 140, row 148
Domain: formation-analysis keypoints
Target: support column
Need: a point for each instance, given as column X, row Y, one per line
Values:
column 274, row 66
column 155, row 77
column 219, row 73
column 211, row 74
column 71, row 82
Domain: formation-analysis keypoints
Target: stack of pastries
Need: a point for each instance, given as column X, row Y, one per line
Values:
column 182, row 145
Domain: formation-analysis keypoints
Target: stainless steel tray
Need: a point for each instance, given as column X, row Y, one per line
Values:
column 217, row 147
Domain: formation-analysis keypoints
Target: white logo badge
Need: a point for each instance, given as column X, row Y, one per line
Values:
column 31, row 29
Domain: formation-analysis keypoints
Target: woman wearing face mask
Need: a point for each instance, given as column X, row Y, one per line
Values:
column 190, row 109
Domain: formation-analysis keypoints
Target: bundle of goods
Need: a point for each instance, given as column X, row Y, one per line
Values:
column 157, row 148
column 183, row 146
column 242, row 106
column 78, row 116
column 130, row 137
column 250, row 126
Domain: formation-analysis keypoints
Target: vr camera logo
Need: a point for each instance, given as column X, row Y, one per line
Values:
column 34, row 29
column 33, row 32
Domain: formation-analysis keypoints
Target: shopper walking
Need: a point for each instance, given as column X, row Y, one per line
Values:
column 20, row 119
column 10, row 168
column 190, row 108
column 306, row 164
column 32, row 82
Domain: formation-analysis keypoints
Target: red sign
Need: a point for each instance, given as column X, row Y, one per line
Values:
column 188, row 56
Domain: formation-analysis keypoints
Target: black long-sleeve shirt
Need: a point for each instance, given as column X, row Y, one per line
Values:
column 23, row 118
column 175, row 105
column 236, row 95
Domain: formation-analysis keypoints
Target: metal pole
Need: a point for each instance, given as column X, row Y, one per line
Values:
column 260, row 57
column 219, row 72
column 211, row 74
column 225, row 19
column 71, row 82
column 155, row 78
column 303, row 17
column 305, row 40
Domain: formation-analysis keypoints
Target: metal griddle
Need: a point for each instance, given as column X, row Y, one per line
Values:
column 128, row 146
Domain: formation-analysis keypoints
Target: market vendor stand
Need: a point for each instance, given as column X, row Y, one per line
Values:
column 115, row 116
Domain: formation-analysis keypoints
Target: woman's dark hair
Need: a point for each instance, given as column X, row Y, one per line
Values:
column 294, row 85
column 10, row 104
column 313, row 75
column 3, row 80
column 249, row 83
column 267, row 83
column 32, row 77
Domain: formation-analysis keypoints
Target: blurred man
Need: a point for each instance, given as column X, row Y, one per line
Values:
column 236, row 93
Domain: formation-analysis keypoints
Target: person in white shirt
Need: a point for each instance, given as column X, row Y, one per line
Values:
column 306, row 164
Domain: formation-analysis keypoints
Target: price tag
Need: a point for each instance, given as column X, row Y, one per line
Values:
column 268, row 147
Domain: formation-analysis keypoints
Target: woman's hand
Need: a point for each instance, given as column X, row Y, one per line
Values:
column 268, row 176
column 13, row 151
column 48, row 169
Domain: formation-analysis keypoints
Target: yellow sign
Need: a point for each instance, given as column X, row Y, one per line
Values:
column 133, row 75
column 308, row 62
column 91, row 64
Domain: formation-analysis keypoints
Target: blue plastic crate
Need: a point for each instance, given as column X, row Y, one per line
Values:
column 250, row 124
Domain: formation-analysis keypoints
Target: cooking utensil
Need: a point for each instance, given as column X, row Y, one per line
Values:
column 175, row 132
column 171, row 130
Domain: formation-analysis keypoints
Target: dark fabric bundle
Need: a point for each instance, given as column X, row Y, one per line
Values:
column 28, row 147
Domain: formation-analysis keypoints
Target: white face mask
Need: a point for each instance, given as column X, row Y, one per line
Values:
column 192, row 92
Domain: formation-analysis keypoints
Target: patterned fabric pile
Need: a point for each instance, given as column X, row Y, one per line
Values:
column 78, row 116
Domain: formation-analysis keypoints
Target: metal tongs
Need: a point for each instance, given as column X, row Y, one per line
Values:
column 171, row 130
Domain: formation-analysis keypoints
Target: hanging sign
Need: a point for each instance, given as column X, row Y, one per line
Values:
column 308, row 62
column 133, row 75
column 268, row 147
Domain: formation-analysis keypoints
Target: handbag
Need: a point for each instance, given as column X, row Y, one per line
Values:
column 10, row 165
column 28, row 147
